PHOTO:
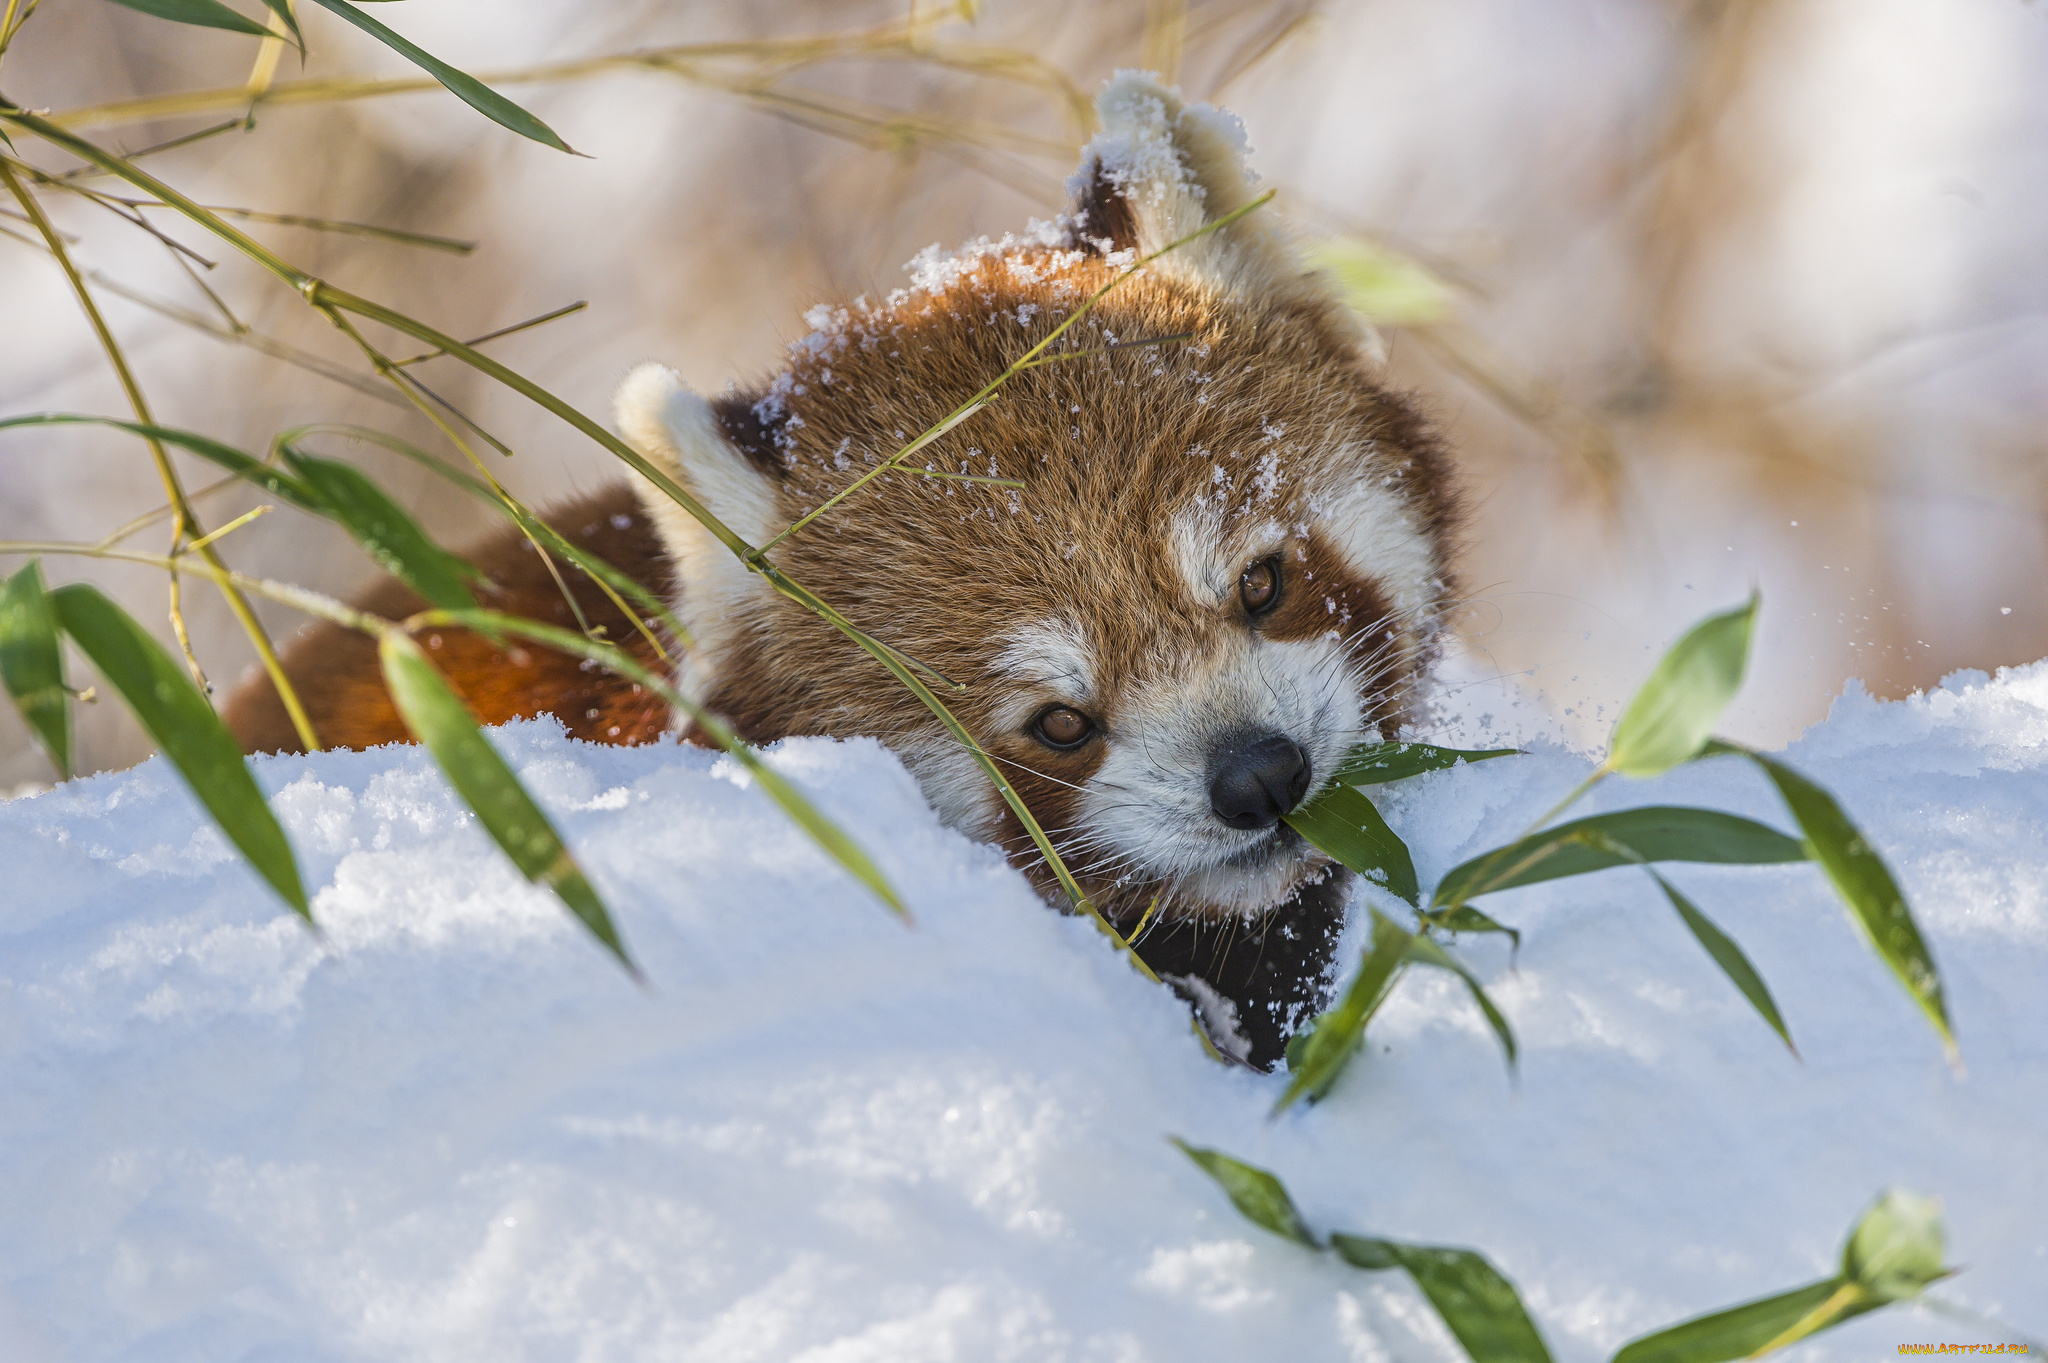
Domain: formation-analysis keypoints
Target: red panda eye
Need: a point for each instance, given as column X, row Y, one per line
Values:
column 1259, row 588
column 1062, row 727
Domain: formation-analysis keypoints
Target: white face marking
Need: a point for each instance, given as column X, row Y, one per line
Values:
column 1209, row 561
column 677, row 432
column 1375, row 532
column 955, row 785
column 1048, row 660
column 1147, row 806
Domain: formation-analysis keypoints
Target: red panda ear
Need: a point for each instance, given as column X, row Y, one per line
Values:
column 1161, row 169
column 678, row 432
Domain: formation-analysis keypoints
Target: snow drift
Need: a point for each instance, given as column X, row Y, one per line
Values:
column 454, row 1129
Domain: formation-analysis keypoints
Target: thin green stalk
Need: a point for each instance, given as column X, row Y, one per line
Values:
column 264, row 70
column 405, row 385
column 302, row 599
column 1017, row 366
column 149, row 518
column 185, row 523
column 772, row 58
column 11, row 22
column 494, row 335
column 968, row 478
column 1599, row 773
column 237, row 523
column 1108, row 349
column 169, row 144
column 1488, row 875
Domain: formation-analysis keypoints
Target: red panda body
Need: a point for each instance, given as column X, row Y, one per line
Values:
column 1225, row 566
column 336, row 673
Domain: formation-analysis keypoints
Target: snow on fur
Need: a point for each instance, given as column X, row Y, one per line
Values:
column 454, row 1130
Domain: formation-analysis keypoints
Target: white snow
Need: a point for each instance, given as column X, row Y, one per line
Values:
column 455, row 1130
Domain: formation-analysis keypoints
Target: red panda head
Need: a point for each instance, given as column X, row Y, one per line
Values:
column 1226, row 564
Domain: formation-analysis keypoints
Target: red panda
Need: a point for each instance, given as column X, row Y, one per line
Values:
column 1227, row 564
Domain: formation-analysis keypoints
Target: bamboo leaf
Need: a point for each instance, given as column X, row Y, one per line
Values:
column 283, row 10
column 1480, row 1307
column 830, row 837
column 1372, row 763
column 274, row 481
column 1261, row 1197
column 184, row 726
column 1380, row 285
column 1896, row 1248
column 1726, row 954
column 1425, row 952
column 626, row 586
column 1865, row 883
column 1891, row 1254
column 1345, row 825
column 1320, row 1053
column 32, row 664
column 1744, row 1331
column 1671, row 716
column 466, row 88
column 385, row 531
column 1655, row 832
column 439, row 719
column 205, row 13
column 1465, row 918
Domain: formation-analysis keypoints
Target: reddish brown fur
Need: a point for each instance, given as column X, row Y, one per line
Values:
column 335, row 670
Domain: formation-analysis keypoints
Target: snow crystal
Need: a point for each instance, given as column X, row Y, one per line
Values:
column 452, row 1128
column 937, row 269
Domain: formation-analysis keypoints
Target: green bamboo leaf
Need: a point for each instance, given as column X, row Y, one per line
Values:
column 1425, row 952
column 1749, row 1329
column 466, row 88
column 1862, row 879
column 1892, row 1253
column 1480, row 1307
column 386, row 532
column 32, row 664
column 250, row 469
column 206, row 13
column 1381, row 285
column 1734, row 964
column 1320, row 1053
column 1655, row 832
column 626, row 586
column 1261, row 1197
column 283, row 10
column 1671, row 716
column 178, row 717
column 1465, row 918
column 829, row 836
column 439, row 719
column 1343, row 823
column 1370, row 764
column 1896, row 1249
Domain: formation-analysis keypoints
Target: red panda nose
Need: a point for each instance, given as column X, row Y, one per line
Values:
column 1259, row 782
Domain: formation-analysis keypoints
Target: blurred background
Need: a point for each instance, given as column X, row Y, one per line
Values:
column 1709, row 294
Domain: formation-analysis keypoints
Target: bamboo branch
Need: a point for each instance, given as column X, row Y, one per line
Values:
column 185, row 523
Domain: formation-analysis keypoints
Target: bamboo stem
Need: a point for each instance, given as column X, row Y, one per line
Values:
column 185, row 525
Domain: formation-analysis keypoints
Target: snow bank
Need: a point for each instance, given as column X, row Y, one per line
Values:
column 455, row 1131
